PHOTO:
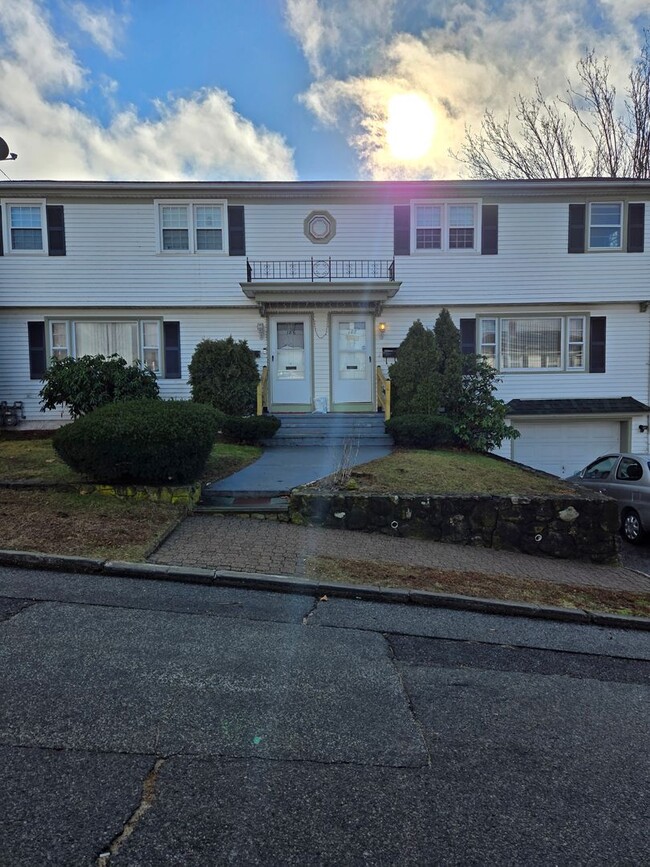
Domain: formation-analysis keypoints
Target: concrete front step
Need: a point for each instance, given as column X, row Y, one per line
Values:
column 330, row 429
column 328, row 440
column 241, row 504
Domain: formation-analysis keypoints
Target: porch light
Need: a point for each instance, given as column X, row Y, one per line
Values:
column 382, row 329
column 261, row 331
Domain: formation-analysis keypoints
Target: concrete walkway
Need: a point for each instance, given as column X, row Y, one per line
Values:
column 281, row 469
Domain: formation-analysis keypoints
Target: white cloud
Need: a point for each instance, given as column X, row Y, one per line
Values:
column 193, row 137
column 462, row 57
column 104, row 28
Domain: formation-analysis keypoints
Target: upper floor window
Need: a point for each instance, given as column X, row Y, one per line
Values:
column 533, row 343
column 191, row 227
column 25, row 227
column 605, row 226
column 446, row 226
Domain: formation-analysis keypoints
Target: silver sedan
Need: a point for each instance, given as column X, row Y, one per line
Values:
column 625, row 478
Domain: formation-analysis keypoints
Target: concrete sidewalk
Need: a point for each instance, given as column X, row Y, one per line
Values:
column 250, row 545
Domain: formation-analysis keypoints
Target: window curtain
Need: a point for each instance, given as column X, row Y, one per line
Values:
column 107, row 338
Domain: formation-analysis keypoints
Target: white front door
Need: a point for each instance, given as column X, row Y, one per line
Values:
column 290, row 355
column 352, row 354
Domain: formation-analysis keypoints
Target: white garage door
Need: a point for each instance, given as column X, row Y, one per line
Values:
column 563, row 447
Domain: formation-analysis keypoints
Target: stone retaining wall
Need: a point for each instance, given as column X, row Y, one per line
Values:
column 579, row 527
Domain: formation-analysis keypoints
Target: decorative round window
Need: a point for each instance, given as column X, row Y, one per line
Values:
column 320, row 227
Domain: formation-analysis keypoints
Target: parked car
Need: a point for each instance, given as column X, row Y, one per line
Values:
column 626, row 478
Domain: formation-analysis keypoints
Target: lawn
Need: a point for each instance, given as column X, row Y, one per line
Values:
column 61, row 522
column 35, row 459
column 415, row 471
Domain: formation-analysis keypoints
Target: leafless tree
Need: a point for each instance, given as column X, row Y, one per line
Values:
column 536, row 139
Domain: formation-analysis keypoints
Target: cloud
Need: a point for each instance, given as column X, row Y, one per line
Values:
column 104, row 28
column 461, row 57
column 42, row 85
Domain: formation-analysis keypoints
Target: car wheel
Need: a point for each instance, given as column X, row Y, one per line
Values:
column 632, row 529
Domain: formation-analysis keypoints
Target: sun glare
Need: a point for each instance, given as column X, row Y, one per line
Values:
column 410, row 126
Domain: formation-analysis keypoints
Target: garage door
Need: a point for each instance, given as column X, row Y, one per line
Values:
column 562, row 447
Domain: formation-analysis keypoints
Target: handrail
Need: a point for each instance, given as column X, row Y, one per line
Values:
column 262, row 391
column 383, row 393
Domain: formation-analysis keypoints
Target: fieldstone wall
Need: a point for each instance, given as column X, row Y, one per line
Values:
column 176, row 495
column 578, row 527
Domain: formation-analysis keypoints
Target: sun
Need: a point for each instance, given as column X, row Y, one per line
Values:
column 410, row 126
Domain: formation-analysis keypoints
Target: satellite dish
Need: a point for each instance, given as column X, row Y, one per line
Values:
column 4, row 149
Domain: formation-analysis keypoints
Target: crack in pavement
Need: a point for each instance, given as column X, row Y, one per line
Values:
column 416, row 722
column 146, row 802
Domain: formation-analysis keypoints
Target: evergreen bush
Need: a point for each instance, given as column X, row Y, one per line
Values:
column 422, row 431
column 223, row 373
column 249, row 429
column 154, row 442
column 86, row 383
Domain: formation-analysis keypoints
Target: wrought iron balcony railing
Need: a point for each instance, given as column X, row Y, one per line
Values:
column 315, row 270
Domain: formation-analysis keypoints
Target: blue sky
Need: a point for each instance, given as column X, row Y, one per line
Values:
column 274, row 89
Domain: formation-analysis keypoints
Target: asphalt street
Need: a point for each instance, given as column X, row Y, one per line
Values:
column 147, row 723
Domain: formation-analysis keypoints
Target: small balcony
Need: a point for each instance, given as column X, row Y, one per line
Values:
column 315, row 270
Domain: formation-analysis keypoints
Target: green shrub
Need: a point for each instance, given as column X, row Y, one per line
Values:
column 86, row 383
column 422, row 431
column 155, row 442
column 249, row 429
column 224, row 374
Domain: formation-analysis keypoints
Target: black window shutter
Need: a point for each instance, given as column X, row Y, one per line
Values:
column 402, row 230
column 490, row 230
column 2, row 250
column 172, row 341
column 577, row 219
column 635, row 227
column 236, row 231
column 55, row 230
column 37, row 357
column 597, row 341
column 468, row 336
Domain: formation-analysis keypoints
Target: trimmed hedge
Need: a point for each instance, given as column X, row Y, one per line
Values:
column 422, row 431
column 249, row 429
column 153, row 442
column 223, row 374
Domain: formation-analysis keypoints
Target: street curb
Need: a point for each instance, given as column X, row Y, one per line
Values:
column 296, row 584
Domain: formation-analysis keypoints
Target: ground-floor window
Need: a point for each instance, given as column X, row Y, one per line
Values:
column 135, row 340
column 533, row 343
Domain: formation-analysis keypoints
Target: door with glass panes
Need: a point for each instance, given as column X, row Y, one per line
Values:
column 290, row 366
column 352, row 361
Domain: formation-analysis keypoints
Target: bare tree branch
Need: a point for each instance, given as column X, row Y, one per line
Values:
column 537, row 138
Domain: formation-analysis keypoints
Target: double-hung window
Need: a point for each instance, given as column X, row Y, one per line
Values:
column 26, row 227
column 191, row 227
column 446, row 226
column 605, row 226
column 533, row 343
column 134, row 340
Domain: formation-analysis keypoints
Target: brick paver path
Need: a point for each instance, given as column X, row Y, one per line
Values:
column 250, row 545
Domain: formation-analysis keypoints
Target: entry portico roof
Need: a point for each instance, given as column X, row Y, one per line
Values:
column 367, row 295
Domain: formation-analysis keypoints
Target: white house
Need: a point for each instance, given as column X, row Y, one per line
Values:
column 549, row 279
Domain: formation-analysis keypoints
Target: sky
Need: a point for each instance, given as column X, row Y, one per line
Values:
column 282, row 89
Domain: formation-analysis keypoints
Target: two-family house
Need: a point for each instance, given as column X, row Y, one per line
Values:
column 548, row 279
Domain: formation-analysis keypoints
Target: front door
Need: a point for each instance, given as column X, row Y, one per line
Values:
column 352, row 368
column 290, row 368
